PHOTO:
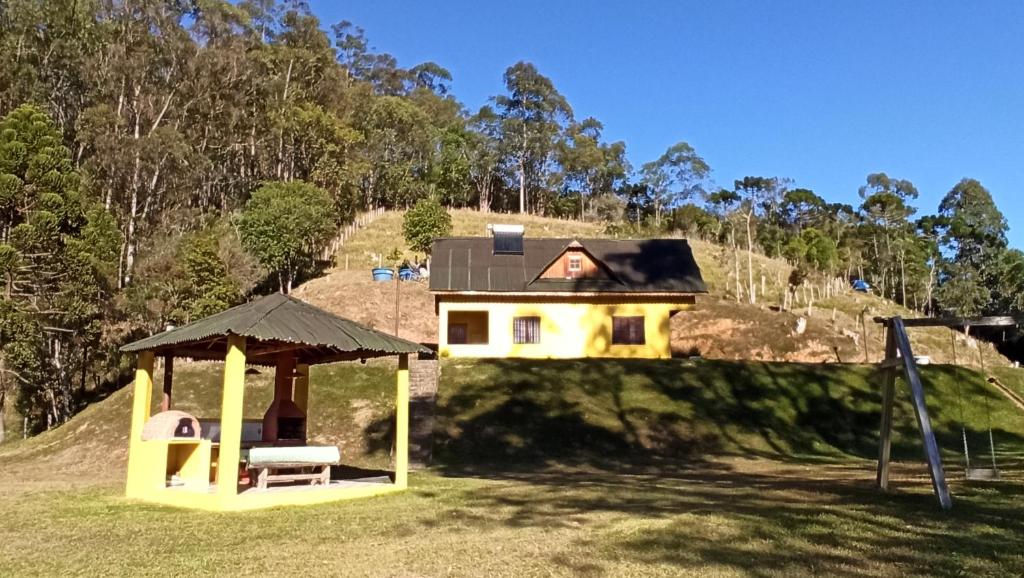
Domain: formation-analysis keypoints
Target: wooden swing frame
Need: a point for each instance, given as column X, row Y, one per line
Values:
column 899, row 358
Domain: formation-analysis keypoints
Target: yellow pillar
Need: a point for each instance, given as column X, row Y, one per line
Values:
column 402, row 423
column 231, row 417
column 142, row 398
column 301, row 394
column 442, row 330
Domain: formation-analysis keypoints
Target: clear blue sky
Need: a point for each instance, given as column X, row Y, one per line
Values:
column 821, row 92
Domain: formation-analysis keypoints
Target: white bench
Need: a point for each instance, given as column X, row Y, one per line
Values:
column 270, row 465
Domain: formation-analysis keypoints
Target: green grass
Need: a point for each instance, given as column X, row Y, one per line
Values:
column 598, row 468
column 510, row 410
column 729, row 517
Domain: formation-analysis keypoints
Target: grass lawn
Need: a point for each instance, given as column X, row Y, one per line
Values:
column 596, row 468
column 725, row 517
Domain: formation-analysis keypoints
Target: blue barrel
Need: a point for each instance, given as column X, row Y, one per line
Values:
column 383, row 274
column 407, row 274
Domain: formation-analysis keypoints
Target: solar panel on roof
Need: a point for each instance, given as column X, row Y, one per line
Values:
column 508, row 243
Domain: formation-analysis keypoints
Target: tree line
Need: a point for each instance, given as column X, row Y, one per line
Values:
column 162, row 160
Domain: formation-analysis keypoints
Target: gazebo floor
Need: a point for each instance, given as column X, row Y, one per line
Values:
column 254, row 498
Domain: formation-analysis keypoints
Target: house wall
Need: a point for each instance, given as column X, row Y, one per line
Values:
column 569, row 328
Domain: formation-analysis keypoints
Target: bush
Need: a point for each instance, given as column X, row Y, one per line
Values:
column 211, row 286
column 286, row 225
column 425, row 222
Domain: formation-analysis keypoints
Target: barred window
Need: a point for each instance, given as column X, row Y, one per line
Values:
column 458, row 334
column 628, row 331
column 526, row 329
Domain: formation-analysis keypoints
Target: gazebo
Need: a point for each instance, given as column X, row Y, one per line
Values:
column 177, row 459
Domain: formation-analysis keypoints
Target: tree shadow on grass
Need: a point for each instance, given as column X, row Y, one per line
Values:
column 783, row 519
column 582, row 410
column 636, row 439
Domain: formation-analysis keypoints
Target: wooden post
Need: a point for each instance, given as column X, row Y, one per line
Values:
column 864, row 334
column 924, row 424
column 231, row 417
column 142, row 398
column 888, row 397
column 165, row 404
column 402, row 423
column 301, row 393
column 398, row 293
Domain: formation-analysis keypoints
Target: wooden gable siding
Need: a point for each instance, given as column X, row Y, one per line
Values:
column 589, row 269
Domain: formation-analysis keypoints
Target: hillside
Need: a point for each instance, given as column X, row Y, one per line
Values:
column 720, row 328
column 598, row 411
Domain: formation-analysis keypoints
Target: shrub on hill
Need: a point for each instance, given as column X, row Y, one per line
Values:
column 285, row 225
column 425, row 222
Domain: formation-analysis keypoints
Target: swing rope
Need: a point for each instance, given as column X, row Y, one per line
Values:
column 960, row 402
column 988, row 409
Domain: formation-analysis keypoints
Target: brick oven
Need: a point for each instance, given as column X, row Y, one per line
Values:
column 284, row 423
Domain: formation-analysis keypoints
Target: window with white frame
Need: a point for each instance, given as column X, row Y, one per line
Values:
column 575, row 263
column 526, row 329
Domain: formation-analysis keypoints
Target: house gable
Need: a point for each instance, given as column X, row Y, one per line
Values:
column 575, row 263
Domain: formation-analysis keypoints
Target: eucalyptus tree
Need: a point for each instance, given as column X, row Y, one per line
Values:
column 45, row 52
column 450, row 170
column 485, row 154
column 674, row 177
column 228, row 120
column 929, row 234
column 398, row 145
column 590, row 166
column 760, row 196
column 533, row 116
column 131, row 132
column 379, row 70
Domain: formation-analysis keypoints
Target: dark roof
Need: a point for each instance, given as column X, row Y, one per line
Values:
column 273, row 323
column 635, row 266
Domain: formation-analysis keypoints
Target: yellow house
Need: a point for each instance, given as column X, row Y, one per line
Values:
column 233, row 463
column 510, row 296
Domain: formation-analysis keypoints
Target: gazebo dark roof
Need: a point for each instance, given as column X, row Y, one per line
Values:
column 274, row 324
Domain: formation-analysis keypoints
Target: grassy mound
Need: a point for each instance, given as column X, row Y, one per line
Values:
column 570, row 410
column 504, row 412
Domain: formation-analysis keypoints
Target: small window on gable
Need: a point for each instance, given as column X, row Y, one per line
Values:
column 526, row 329
column 628, row 331
column 575, row 263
